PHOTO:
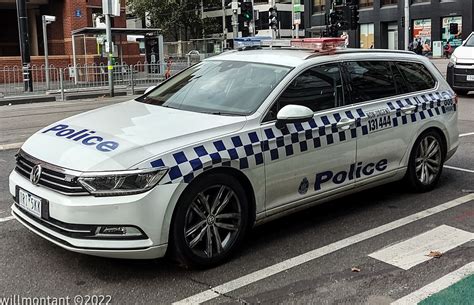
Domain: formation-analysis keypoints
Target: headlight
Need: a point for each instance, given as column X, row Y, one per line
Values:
column 453, row 59
column 121, row 182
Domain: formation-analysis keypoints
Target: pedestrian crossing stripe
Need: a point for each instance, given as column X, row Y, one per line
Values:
column 414, row 251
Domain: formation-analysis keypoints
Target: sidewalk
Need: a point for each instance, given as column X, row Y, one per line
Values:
column 18, row 122
column 441, row 64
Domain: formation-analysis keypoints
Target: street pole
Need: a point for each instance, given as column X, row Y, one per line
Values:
column 224, row 28
column 110, row 44
column 272, row 4
column 407, row 24
column 235, row 19
column 293, row 18
column 45, row 44
column 24, row 44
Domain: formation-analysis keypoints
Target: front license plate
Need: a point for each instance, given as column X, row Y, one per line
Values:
column 29, row 202
column 470, row 78
column 379, row 123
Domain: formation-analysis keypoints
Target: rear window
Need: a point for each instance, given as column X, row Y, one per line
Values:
column 416, row 75
column 370, row 80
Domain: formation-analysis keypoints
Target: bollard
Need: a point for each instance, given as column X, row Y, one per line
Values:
column 61, row 83
column 132, row 80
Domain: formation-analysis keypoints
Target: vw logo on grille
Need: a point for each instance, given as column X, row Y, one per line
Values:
column 36, row 174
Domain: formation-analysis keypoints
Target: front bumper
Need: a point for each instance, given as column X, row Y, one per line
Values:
column 457, row 76
column 64, row 216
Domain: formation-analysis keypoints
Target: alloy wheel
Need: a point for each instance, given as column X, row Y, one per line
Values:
column 428, row 160
column 213, row 221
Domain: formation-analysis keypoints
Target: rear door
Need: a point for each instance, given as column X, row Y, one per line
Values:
column 377, row 92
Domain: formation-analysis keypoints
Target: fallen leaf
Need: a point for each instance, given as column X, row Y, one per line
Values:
column 435, row 254
column 355, row 269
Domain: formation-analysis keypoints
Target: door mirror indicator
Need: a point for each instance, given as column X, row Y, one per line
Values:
column 293, row 114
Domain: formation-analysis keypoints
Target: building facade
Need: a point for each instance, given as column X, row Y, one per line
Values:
column 70, row 15
column 382, row 21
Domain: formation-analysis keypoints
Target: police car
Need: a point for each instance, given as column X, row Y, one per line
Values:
column 236, row 140
column 460, row 73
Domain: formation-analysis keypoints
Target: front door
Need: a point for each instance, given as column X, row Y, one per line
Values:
column 310, row 158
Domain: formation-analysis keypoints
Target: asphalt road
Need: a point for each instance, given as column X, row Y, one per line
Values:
column 31, row 266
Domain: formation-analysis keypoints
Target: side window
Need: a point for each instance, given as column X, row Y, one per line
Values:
column 416, row 75
column 317, row 88
column 370, row 80
column 400, row 82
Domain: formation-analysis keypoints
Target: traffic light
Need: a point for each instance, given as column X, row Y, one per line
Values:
column 333, row 18
column 354, row 20
column 272, row 17
column 453, row 28
column 246, row 10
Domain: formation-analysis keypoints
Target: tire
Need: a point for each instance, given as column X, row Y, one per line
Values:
column 198, row 221
column 426, row 162
column 461, row 91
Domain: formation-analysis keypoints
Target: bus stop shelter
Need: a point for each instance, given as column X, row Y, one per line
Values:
column 92, row 31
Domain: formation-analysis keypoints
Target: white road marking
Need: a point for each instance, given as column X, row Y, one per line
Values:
column 413, row 251
column 316, row 253
column 460, row 169
column 7, row 218
column 466, row 134
column 10, row 146
column 436, row 286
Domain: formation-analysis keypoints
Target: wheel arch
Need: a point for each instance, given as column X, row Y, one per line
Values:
column 239, row 175
column 433, row 127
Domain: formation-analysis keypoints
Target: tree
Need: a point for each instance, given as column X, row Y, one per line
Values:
column 178, row 19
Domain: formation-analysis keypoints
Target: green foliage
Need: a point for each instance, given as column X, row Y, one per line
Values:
column 178, row 19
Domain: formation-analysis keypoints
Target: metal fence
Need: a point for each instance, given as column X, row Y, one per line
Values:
column 88, row 77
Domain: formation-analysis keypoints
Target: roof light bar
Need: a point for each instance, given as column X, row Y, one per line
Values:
column 325, row 44
column 249, row 42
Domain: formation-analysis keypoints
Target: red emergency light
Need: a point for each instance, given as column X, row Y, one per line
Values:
column 322, row 45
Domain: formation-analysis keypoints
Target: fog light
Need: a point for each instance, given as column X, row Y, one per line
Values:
column 117, row 231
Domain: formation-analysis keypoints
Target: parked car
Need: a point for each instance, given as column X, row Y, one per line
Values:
column 460, row 74
column 231, row 142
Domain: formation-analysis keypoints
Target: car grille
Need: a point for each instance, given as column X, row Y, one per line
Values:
column 464, row 71
column 52, row 177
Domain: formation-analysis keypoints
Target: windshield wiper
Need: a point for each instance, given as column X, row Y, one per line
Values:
column 224, row 113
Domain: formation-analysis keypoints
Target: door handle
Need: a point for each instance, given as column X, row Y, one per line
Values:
column 408, row 109
column 345, row 123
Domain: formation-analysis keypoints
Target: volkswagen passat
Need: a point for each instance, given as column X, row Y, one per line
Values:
column 237, row 139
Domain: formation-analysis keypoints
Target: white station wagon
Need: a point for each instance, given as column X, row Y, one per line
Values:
column 233, row 141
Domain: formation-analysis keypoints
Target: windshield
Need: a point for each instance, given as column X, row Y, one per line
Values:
column 219, row 87
column 470, row 42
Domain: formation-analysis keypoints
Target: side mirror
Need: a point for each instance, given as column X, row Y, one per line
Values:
column 293, row 114
column 149, row 89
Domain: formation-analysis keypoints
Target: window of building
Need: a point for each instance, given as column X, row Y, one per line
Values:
column 370, row 80
column 419, row 1
column 318, row 88
column 366, row 3
column 388, row 2
column 367, row 36
column 319, row 6
column 452, row 30
column 416, row 75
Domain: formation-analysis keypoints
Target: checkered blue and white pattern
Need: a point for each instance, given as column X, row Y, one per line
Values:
column 427, row 106
column 321, row 131
column 240, row 151
column 249, row 150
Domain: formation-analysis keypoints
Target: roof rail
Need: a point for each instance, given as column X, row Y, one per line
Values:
column 350, row 50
